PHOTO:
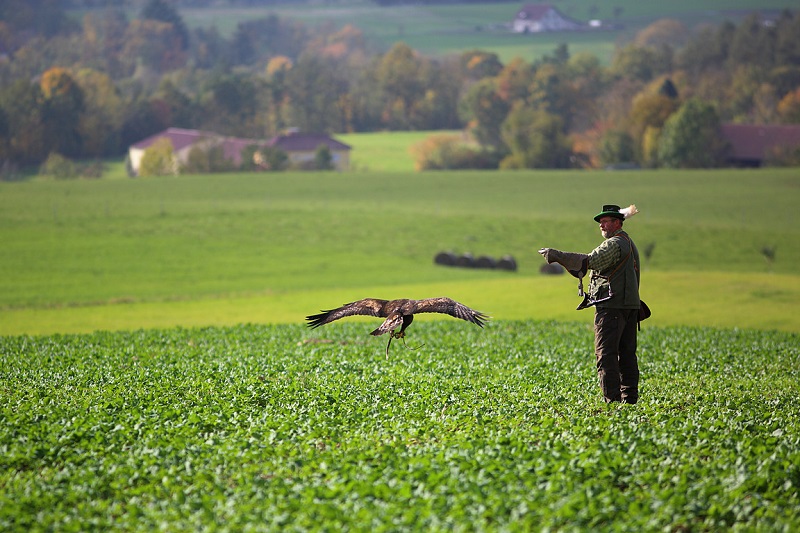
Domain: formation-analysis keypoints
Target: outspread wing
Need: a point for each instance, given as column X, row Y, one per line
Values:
column 367, row 306
column 450, row 307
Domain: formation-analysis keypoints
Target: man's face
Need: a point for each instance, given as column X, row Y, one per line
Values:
column 609, row 226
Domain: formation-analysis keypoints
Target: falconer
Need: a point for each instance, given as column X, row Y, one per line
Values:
column 614, row 293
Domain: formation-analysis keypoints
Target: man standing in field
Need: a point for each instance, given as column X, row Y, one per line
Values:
column 614, row 292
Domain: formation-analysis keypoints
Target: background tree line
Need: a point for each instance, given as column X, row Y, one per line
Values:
column 90, row 89
column 260, row 3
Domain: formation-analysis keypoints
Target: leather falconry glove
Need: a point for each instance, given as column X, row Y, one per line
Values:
column 575, row 263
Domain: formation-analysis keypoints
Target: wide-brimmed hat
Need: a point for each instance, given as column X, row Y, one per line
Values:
column 610, row 211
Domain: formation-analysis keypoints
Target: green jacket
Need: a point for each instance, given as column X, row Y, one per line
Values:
column 617, row 286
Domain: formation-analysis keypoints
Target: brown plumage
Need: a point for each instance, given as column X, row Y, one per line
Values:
column 398, row 313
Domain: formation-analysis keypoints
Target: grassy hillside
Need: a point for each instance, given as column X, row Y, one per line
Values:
column 455, row 28
column 226, row 249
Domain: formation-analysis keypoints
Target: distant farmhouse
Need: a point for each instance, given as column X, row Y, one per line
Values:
column 751, row 145
column 299, row 147
column 537, row 18
column 302, row 147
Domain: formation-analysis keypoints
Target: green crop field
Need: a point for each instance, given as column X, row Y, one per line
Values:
column 267, row 428
column 156, row 375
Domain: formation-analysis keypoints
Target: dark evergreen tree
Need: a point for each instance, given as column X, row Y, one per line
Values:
column 141, row 120
column 787, row 39
column 162, row 11
column 668, row 89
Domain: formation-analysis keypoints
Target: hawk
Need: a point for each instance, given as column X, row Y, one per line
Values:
column 398, row 313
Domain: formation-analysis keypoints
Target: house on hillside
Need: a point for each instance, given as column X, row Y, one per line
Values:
column 537, row 18
column 297, row 146
column 751, row 145
column 184, row 140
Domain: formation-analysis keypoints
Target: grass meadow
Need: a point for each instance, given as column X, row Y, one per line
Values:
column 227, row 249
column 156, row 374
column 387, row 151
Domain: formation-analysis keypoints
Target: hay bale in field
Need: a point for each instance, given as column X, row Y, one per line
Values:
column 485, row 261
column 445, row 258
column 466, row 260
column 507, row 262
column 552, row 268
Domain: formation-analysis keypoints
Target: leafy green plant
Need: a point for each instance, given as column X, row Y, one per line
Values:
column 323, row 160
column 159, row 160
column 59, row 167
column 275, row 427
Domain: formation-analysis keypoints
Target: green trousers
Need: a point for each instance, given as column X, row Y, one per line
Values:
column 615, row 350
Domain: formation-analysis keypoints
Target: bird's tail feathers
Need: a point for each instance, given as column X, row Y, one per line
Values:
column 390, row 324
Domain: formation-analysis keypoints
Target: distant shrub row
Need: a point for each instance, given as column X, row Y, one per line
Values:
column 467, row 260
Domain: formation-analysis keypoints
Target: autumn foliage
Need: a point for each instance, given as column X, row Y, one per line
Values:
column 93, row 89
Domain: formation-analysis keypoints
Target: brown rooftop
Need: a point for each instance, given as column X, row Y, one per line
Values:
column 751, row 142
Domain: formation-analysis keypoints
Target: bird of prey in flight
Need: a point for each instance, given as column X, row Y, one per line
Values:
column 398, row 313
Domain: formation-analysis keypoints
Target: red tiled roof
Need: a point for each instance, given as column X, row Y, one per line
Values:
column 179, row 137
column 534, row 11
column 293, row 142
column 753, row 142
column 232, row 147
